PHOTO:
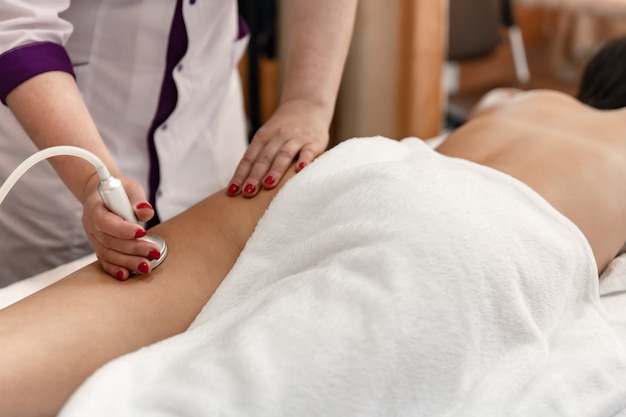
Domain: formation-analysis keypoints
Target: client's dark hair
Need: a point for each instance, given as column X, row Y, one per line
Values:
column 603, row 84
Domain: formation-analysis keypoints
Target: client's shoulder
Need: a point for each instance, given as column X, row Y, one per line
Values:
column 544, row 99
column 545, row 108
column 502, row 100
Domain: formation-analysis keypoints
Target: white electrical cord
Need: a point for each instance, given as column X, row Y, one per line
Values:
column 29, row 162
column 110, row 188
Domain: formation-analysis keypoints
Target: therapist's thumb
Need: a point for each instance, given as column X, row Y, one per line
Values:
column 144, row 211
column 137, row 196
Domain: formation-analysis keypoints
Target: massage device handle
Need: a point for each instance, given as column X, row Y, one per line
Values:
column 115, row 199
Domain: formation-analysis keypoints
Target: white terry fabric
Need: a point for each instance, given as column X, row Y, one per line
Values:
column 388, row 280
column 613, row 293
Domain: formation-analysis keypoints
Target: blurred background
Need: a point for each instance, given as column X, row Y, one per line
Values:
column 416, row 67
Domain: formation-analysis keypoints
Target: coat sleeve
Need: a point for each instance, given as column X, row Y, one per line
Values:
column 32, row 39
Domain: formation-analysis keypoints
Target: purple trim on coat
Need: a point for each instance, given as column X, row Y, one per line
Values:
column 24, row 62
column 244, row 29
column 177, row 47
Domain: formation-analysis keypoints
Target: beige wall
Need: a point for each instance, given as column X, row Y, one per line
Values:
column 368, row 98
column 392, row 81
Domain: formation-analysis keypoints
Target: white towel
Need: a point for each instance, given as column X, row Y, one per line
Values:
column 388, row 280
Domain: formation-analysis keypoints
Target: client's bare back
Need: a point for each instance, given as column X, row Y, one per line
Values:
column 571, row 154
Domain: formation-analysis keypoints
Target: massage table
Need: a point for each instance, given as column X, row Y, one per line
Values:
column 331, row 316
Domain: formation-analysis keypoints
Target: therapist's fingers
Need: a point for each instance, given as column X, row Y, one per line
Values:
column 135, row 255
column 267, row 159
column 144, row 211
column 236, row 184
column 97, row 220
column 297, row 127
column 116, row 242
column 137, row 196
column 122, row 266
column 306, row 155
column 271, row 164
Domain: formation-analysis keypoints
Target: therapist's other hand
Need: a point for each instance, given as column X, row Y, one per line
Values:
column 298, row 128
column 117, row 242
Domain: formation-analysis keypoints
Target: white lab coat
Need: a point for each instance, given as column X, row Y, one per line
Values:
column 118, row 49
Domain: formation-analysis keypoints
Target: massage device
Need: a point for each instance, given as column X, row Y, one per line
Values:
column 110, row 188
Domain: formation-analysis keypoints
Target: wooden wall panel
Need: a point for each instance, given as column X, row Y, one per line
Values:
column 425, row 29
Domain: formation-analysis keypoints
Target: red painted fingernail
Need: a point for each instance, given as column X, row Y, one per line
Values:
column 144, row 205
column 140, row 233
column 269, row 180
column 119, row 275
column 250, row 189
column 233, row 189
column 154, row 254
column 143, row 268
column 301, row 165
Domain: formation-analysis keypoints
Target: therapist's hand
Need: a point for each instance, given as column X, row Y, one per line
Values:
column 116, row 241
column 298, row 128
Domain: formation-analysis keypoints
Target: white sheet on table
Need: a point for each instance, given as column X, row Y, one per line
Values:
column 26, row 287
